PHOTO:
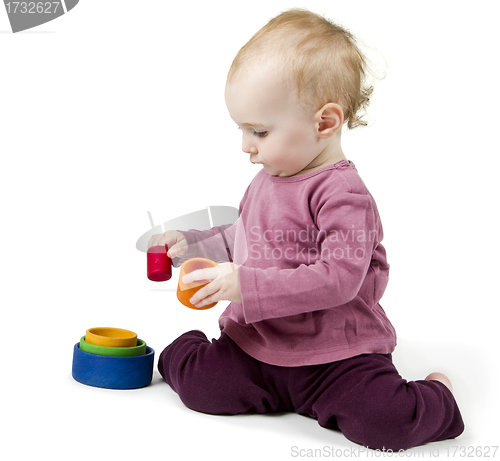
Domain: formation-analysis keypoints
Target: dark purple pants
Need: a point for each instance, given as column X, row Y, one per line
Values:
column 363, row 396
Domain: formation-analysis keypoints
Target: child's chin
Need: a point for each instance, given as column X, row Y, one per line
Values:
column 273, row 172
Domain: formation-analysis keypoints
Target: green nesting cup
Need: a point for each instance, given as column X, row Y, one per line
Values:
column 134, row 351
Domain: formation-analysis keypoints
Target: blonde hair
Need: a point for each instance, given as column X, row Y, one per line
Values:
column 322, row 59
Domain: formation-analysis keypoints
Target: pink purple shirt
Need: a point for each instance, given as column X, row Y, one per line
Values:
column 312, row 271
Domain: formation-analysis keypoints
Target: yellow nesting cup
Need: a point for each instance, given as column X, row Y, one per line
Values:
column 111, row 337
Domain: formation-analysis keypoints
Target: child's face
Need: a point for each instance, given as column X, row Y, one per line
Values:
column 278, row 132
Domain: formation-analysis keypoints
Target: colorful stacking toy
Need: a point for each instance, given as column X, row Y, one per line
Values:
column 185, row 291
column 112, row 358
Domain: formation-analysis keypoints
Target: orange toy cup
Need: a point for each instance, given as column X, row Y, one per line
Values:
column 185, row 291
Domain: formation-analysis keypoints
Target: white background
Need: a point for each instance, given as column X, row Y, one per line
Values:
column 117, row 108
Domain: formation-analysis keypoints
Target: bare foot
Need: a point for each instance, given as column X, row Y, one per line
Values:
column 436, row 376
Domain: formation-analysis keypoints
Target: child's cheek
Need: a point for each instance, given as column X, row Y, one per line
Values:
column 297, row 138
column 281, row 157
column 295, row 149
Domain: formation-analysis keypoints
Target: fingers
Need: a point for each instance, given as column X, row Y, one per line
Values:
column 177, row 249
column 223, row 286
column 206, row 295
column 155, row 240
column 175, row 241
column 209, row 273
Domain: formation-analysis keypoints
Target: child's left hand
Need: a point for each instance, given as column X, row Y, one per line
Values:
column 224, row 285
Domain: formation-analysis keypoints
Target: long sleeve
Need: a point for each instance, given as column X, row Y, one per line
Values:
column 216, row 244
column 332, row 268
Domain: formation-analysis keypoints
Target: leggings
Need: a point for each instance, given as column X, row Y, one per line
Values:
column 363, row 396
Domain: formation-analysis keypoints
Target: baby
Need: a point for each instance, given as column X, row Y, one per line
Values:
column 304, row 331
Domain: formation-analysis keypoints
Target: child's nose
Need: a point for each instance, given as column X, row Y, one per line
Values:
column 253, row 150
column 248, row 147
column 246, row 143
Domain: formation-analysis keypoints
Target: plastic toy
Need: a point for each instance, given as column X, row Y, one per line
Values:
column 185, row 291
column 112, row 372
column 111, row 337
column 134, row 351
column 112, row 367
column 159, row 264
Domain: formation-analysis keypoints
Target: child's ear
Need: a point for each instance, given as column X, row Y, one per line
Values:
column 328, row 120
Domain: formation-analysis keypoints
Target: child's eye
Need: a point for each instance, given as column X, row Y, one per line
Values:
column 260, row 134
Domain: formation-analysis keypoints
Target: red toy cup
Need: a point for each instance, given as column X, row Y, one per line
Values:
column 159, row 264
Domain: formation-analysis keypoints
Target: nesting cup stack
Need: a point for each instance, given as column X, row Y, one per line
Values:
column 112, row 358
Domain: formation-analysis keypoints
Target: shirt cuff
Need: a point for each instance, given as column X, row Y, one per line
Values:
column 249, row 295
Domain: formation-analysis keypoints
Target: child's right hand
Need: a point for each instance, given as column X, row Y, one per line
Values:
column 175, row 241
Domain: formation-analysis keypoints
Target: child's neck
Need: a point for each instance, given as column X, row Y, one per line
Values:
column 330, row 155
